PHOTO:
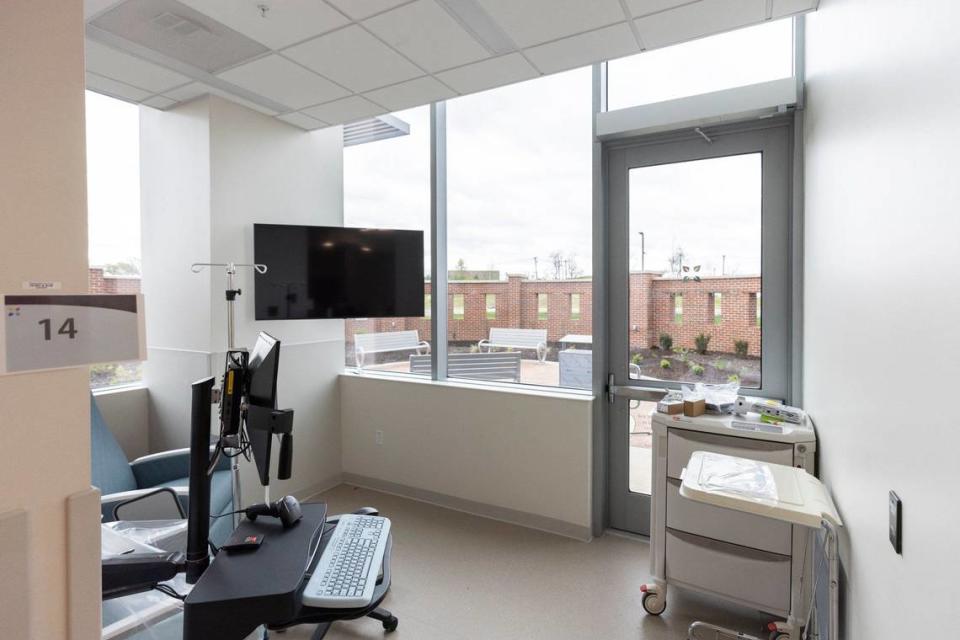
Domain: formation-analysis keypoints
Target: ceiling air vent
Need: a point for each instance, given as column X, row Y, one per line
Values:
column 372, row 129
column 177, row 31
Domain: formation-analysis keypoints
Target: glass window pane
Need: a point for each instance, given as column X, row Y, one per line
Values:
column 386, row 185
column 491, row 306
column 427, row 306
column 459, row 305
column 695, row 270
column 734, row 59
column 519, row 226
column 574, row 306
column 113, row 204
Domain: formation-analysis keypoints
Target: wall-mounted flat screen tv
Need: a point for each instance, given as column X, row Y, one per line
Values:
column 337, row 272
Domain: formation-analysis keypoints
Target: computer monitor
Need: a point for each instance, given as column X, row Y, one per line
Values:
column 263, row 367
column 263, row 420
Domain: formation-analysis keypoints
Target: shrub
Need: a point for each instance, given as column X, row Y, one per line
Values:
column 664, row 363
column 702, row 341
column 741, row 347
column 697, row 369
column 733, row 378
column 666, row 342
column 720, row 365
column 636, row 358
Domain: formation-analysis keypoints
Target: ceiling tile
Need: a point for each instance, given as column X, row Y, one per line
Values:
column 283, row 81
column 345, row 110
column 354, row 58
column 160, row 102
column 645, row 7
column 411, row 94
column 187, row 92
column 114, row 88
column 360, row 9
column 783, row 8
column 531, row 22
column 603, row 44
column 302, row 121
column 284, row 23
column 197, row 89
column 124, row 67
column 703, row 18
column 428, row 35
column 487, row 74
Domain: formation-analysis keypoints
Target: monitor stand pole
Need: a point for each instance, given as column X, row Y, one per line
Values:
column 231, row 296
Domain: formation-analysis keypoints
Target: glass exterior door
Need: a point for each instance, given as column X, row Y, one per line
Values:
column 692, row 224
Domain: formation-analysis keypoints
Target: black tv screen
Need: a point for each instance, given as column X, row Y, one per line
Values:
column 337, row 272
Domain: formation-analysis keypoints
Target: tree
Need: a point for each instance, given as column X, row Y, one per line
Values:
column 128, row 267
column 676, row 260
column 461, row 265
column 556, row 264
column 571, row 269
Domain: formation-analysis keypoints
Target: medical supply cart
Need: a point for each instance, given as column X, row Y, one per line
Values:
column 744, row 558
column 777, row 493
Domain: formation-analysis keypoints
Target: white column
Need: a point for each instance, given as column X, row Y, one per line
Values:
column 45, row 417
column 210, row 170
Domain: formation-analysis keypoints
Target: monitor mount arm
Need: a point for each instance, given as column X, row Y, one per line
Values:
column 230, row 294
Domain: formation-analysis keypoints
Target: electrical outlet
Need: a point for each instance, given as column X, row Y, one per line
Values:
column 896, row 522
column 378, row 437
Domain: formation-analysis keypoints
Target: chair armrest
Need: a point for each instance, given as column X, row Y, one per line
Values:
column 110, row 501
column 424, row 345
column 157, row 468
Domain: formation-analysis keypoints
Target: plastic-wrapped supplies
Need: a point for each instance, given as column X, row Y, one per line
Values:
column 748, row 478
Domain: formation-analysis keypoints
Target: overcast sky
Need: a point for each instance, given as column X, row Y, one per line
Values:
column 519, row 162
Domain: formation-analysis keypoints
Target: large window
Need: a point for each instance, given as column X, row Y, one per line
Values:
column 386, row 184
column 734, row 59
column 519, row 218
column 113, row 218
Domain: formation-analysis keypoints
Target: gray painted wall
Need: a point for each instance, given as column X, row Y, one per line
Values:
column 882, row 301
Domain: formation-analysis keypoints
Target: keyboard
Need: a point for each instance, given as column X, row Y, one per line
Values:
column 347, row 571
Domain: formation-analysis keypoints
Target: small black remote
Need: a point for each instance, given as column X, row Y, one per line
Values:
column 239, row 541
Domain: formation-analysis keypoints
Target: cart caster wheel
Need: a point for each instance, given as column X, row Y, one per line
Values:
column 653, row 604
column 390, row 624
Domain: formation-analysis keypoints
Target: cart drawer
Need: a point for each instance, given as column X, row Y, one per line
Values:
column 681, row 443
column 726, row 525
column 754, row 578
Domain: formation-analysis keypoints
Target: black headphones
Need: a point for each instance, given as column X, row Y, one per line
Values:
column 287, row 509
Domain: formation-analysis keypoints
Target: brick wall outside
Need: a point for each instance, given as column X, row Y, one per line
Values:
column 100, row 283
column 651, row 310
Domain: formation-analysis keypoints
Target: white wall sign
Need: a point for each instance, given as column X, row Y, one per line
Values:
column 56, row 331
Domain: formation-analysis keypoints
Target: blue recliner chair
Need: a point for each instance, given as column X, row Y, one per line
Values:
column 119, row 479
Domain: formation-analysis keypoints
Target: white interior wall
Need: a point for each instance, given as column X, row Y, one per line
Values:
column 509, row 454
column 263, row 170
column 882, row 302
column 126, row 411
column 45, row 423
column 210, row 170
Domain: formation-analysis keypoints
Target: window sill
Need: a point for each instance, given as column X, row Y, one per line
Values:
column 496, row 387
column 119, row 388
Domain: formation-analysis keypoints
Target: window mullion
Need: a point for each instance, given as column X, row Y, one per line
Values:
column 438, row 239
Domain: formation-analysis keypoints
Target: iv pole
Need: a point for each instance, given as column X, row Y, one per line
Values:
column 231, row 294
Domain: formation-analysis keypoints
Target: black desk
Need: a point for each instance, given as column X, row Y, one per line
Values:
column 241, row 591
